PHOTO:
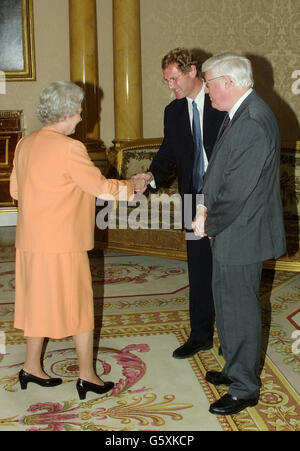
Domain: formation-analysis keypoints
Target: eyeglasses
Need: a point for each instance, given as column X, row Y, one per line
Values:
column 172, row 79
column 207, row 81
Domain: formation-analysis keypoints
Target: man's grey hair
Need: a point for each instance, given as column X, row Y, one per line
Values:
column 237, row 67
column 59, row 100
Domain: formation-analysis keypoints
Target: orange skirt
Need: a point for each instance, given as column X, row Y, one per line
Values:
column 53, row 294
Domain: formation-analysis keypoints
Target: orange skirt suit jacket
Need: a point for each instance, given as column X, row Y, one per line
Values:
column 56, row 183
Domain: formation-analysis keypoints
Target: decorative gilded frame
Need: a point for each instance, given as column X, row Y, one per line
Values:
column 28, row 72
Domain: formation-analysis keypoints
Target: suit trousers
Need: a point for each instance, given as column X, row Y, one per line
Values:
column 200, row 299
column 238, row 317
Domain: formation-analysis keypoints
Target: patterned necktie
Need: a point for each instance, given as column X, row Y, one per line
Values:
column 198, row 169
column 225, row 124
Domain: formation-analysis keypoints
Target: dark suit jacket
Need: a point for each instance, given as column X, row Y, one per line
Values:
column 242, row 188
column 177, row 148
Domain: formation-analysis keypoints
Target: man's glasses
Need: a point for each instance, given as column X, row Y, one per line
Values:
column 172, row 79
column 207, row 81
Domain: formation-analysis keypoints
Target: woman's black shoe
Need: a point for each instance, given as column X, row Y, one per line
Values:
column 25, row 377
column 83, row 387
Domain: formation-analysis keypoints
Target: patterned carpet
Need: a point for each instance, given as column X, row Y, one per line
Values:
column 141, row 306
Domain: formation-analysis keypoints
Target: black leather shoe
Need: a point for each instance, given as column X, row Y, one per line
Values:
column 217, row 378
column 227, row 405
column 84, row 386
column 190, row 348
column 25, row 377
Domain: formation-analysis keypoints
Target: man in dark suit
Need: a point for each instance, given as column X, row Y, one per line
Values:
column 182, row 73
column 242, row 214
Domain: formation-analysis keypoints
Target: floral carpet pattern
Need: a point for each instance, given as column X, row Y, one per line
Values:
column 141, row 308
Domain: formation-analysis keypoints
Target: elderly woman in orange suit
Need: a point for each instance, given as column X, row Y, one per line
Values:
column 56, row 183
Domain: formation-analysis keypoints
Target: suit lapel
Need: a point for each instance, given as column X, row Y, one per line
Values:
column 235, row 118
column 185, row 126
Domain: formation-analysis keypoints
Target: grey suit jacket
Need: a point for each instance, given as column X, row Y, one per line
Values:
column 242, row 188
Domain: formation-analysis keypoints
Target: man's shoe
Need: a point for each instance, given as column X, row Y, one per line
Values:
column 228, row 405
column 190, row 348
column 217, row 378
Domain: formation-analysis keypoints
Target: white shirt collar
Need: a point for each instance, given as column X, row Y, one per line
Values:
column 199, row 99
column 238, row 103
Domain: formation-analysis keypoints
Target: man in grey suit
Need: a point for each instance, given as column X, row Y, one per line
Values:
column 242, row 214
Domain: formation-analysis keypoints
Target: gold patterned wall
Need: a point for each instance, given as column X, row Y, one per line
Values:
column 51, row 30
column 268, row 31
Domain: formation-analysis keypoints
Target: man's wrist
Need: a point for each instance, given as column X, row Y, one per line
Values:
column 203, row 207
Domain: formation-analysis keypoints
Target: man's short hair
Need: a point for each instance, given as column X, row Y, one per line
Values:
column 184, row 59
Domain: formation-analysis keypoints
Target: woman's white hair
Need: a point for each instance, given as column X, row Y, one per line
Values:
column 59, row 100
column 237, row 67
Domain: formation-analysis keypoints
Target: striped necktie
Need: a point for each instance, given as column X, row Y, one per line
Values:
column 198, row 169
column 225, row 124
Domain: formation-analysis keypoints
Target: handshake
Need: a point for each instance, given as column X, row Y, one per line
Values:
column 140, row 181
